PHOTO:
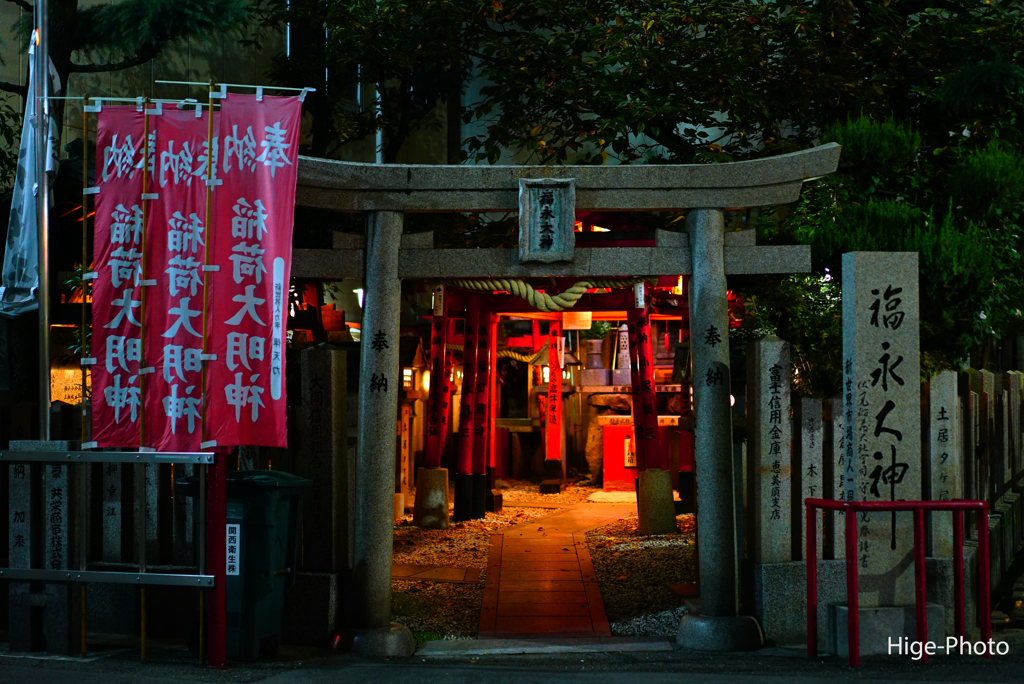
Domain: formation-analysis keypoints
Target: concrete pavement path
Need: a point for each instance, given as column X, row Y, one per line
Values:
column 540, row 579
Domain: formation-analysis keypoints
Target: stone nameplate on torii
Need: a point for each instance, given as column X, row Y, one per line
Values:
column 547, row 219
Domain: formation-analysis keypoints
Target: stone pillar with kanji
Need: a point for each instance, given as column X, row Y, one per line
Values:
column 881, row 383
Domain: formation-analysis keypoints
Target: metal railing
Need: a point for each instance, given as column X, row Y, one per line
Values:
column 918, row 508
column 142, row 578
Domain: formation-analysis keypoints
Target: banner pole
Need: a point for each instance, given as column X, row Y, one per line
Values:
column 141, row 274
column 202, row 381
column 206, row 261
column 42, row 84
column 85, row 265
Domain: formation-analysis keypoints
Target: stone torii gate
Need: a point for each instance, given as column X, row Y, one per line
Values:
column 385, row 257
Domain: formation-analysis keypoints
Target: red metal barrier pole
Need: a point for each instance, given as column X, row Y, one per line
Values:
column 852, row 599
column 217, row 518
column 984, row 577
column 920, row 594
column 958, row 572
column 812, row 584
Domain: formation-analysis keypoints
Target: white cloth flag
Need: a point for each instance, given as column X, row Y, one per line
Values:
column 21, row 259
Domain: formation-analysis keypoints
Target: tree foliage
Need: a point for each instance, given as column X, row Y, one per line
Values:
column 92, row 38
column 712, row 80
column 410, row 52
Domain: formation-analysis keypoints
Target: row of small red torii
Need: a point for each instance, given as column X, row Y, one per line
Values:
column 476, row 449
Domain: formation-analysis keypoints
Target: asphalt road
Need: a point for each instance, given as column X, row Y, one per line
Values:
column 767, row 667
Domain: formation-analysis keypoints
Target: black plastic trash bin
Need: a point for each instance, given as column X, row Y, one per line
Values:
column 263, row 516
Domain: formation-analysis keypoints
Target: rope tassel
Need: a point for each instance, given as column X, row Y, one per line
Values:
column 541, row 300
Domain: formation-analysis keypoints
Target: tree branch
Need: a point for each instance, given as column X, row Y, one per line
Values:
column 23, row 4
column 14, row 88
column 141, row 57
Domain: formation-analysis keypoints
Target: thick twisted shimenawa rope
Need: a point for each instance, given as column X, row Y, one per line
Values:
column 509, row 354
column 541, row 300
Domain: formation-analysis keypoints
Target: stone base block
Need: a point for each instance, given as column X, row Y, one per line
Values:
column 430, row 509
column 780, row 598
column 463, row 509
column 656, row 508
column 621, row 377
column 311, row 610
column 479, row 496
column 495, row 501
column 600, row 377
column 729, row 634
column 46, row 620
column 880, row 625
column 780, row 595
column 394, row 641
column 551, row 487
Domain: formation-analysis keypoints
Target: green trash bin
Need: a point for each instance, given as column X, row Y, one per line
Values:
column 263, row 520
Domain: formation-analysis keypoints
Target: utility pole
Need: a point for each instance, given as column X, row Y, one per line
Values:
column 42, row 92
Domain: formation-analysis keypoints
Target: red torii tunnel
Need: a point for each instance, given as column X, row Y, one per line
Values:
column 482, row 313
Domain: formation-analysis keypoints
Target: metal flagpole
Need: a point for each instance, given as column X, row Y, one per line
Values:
column 42, row 87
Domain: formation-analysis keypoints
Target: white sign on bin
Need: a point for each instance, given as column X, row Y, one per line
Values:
column 234, row 548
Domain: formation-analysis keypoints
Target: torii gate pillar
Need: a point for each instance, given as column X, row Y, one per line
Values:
column 719, row 626
column 379, row 380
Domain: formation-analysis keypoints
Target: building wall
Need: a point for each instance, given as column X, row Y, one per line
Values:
column 223, row 60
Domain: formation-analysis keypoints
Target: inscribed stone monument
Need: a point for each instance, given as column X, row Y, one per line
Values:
column 326, row 505
column 881, row 368
column 812, row 484
column 945, row 449
column 769, row 459
column 838, row 477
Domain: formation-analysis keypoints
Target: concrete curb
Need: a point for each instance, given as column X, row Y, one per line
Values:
column 478, row 647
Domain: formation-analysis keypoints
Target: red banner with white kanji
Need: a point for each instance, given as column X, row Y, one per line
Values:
column 251, row 240
column 481, row 393
column 553, row 419
column 116, row 345
column 176, row 237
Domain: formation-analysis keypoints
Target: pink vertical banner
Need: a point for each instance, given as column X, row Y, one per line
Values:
column 176, row 237
column 553, row 426
column 250, row 243
column 116, row 298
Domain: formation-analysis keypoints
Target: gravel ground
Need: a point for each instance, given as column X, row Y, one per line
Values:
column 524, row 492
column 439, row 609
column 634, row 572
column 463, row 545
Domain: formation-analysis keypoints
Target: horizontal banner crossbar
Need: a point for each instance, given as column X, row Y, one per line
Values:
column 101, row 577
column 200, row 458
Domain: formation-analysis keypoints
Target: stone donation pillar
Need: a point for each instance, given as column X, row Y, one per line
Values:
column 719, row 626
